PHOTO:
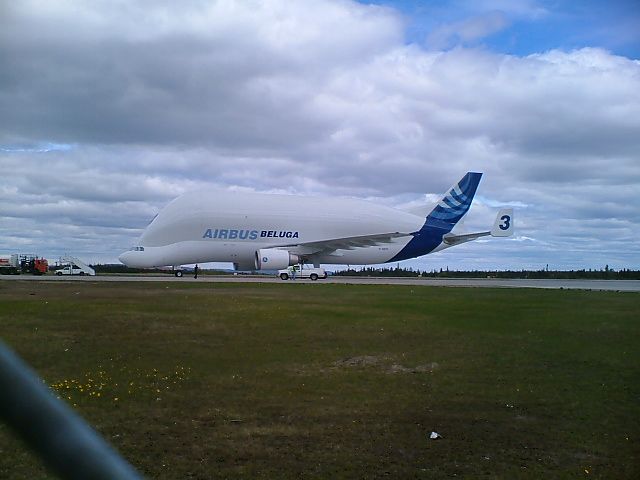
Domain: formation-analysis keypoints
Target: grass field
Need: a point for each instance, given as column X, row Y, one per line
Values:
column 337, row 381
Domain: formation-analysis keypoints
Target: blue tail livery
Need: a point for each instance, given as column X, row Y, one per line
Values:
column 442, row 218
column 454, row 204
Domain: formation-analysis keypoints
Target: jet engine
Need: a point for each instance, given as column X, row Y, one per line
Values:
column 274, row 259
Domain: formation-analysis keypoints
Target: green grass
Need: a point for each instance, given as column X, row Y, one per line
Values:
column 254, row 381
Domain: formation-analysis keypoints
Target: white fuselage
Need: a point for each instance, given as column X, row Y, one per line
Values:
column 204, row 227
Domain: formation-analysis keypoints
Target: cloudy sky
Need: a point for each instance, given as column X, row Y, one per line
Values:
column 110, row 109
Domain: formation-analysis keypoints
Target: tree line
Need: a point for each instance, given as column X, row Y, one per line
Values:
column 605, row 273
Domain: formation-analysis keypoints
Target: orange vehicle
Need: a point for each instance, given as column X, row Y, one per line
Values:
column 24, row 263
column 37, row 266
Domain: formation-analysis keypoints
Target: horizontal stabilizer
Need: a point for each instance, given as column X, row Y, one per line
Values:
column 451, row 239
column 502, row 227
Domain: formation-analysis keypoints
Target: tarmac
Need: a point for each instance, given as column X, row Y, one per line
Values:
column 608, row 285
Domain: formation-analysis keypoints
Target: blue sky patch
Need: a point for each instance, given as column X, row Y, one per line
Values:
column 522, row 27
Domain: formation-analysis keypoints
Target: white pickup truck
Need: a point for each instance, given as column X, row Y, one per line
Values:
column 295, row 272
column 73, row 270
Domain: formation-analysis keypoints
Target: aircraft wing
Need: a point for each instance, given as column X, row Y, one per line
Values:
column 346, row 243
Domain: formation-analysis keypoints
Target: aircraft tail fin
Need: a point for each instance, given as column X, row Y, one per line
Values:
column 503, row 225
column 455, row 203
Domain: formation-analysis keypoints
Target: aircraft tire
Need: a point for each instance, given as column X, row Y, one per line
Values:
column 284, row 276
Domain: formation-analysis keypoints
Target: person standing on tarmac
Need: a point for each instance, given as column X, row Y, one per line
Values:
column 195, row 271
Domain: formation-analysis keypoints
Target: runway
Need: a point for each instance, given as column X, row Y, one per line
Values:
column 607, row 285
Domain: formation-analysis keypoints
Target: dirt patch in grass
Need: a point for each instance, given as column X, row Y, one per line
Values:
column 385, row 362
column 361, row 361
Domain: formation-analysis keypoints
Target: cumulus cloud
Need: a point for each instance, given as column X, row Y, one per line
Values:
column 167, row 73
column 111, row 111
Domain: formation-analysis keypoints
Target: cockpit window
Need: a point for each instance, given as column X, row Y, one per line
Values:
column 136, row 249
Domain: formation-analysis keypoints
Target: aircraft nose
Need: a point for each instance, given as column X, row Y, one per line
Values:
column 124, row 257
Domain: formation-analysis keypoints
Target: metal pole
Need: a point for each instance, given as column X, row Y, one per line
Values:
column 68, row 445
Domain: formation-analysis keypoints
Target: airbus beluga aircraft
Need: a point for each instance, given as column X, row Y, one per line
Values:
column 257, row 231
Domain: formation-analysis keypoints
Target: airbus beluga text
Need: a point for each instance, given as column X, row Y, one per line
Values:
column 268, row 232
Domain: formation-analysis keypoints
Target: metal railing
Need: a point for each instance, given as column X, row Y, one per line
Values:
column 67, row 444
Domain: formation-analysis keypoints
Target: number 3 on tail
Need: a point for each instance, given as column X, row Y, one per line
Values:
column 507, row 222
